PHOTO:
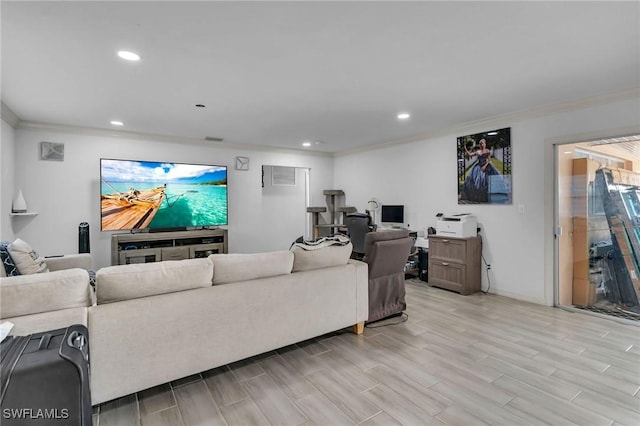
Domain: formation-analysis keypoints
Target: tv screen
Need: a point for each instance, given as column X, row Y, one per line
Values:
column 148, row 195
column 392, row 214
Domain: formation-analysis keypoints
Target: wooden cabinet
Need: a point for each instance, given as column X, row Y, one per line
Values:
column 454, row 263
column 157, row 246
column 584, row 170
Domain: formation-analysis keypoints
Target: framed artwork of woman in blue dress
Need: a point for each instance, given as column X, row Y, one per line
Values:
column 484, row 168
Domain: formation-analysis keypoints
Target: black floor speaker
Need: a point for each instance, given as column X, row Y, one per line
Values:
column 83, row 238
column 423, row 264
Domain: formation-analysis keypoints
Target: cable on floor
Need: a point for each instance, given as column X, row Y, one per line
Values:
column 488, row 269
column 403, row 318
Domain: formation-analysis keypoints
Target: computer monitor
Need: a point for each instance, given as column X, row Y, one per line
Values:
column 392, row 214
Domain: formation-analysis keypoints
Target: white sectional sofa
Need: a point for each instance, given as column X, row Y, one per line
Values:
column 50, row 300
column 157, row 322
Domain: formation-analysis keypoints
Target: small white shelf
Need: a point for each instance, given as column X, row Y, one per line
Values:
column 24, row 214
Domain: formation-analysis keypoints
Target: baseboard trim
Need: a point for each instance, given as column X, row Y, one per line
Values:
column 516, row 296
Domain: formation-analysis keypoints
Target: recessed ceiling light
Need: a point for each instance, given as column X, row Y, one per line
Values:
column 306, row 143
column 568, row 152
column 117, row 122
column 492, row 133
column 129, row 56
column 404, row 116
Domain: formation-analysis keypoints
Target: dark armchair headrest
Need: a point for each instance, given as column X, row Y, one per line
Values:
column 385, row 235
column 360, row 216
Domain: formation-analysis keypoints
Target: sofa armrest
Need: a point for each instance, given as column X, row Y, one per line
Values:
column 44, row 321
column 45, row 292
column 69, row 261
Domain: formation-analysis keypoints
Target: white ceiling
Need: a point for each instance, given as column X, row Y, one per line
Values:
column 278, row 73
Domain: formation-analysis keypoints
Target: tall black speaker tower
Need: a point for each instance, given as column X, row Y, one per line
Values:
column 423, row 263
column 83, row 238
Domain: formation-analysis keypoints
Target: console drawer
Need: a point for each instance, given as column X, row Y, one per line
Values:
column 139, row 256
column 204, row 250
column 175, row 253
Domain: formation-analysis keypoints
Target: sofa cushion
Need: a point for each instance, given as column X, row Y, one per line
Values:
column 35, row 293
column 229, row 268
column 8, row 268
column 26, row 259
column 325, row 257
column 45, row 321
column 123, row 282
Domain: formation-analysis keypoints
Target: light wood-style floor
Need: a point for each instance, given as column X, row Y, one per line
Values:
column 458, row 360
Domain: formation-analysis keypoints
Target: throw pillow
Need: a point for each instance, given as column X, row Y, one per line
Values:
column 27, row 260
column 9, row 267
column 325, row 257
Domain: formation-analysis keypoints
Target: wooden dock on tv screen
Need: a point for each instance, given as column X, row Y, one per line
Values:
column 130, row 210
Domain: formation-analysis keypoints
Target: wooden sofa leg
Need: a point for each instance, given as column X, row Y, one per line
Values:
column 358, row 328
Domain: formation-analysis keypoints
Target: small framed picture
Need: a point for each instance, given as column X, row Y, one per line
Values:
column 242, row 163
column 51, row 151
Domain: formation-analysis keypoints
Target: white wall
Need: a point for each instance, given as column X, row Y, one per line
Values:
column 422, row 176
column 67, row 193
column 6, row 181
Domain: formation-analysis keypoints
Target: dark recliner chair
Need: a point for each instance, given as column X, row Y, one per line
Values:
column 358, row 225
column 386, row 253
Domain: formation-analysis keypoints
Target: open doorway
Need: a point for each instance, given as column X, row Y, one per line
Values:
column 598, row 218
column 285, row 198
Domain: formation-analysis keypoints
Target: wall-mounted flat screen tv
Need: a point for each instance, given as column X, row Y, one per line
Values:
column 148, row 195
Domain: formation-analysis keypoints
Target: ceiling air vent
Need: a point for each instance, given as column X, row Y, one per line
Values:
column 213, row 139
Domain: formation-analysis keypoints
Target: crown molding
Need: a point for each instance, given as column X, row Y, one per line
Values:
column 90, row 131
column 8, row 116
column 497, row 121
column 505, row 120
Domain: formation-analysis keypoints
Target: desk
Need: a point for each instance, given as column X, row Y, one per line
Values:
column 418, row 264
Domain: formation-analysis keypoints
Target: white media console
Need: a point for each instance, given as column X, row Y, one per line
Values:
column 156, row 246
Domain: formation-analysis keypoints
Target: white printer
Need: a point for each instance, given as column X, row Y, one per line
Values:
column 463, row 225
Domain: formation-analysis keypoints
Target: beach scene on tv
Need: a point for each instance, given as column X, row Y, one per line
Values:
column 147, row 195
